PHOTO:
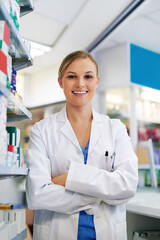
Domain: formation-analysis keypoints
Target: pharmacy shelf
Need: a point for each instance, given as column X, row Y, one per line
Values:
column 141, row 119
column 26, row 6
column 22, row 58
column 21, row 236
column 13, row 171
column 24, row 113
column 146, row 166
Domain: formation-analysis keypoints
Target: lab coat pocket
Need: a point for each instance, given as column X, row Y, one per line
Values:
column 108, row 162
column 121, row 233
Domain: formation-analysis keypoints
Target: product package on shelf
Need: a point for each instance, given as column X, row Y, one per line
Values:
column 3, row 112
column 4, row 34
column 13, row 81
column 3, row 132
column 3, row 148
column 13, row 9
column 4, row 47
column 12, row 223
column 9, row 71
column 3, row 68
column 6, row 4
column 15, row 12
column 13, row 153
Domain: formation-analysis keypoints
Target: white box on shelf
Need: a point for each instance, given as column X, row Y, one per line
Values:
column 3, row 147
column 21, row 219
column 7, row 5
column 9, row 67
column 4, row 234
column 1, row 216
column 12, row 227
column 4, row 47
column 3, row 78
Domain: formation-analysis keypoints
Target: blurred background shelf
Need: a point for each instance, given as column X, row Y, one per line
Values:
column 146, row 166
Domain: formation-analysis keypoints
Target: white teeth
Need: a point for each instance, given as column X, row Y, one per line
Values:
column 79, row 92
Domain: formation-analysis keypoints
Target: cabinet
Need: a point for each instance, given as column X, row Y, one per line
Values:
column 143, row 211
column 13, row 177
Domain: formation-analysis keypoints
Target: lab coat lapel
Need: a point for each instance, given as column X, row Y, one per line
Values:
column 96, row 130
column 67, row 129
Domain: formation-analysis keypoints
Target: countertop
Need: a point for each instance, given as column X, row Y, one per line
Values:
column 146, row 202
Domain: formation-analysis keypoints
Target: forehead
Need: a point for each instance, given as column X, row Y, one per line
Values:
column 82, row 64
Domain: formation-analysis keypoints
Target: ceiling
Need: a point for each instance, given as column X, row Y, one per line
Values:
column 68, row 25
column 142, row 28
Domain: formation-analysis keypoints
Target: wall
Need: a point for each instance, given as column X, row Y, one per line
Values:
column 41, row 88
column 113, row 67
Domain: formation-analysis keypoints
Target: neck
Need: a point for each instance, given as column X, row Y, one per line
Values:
column 78, row 114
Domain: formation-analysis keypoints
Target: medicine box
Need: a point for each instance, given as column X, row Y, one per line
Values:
column 4, row 32
column 13, row 136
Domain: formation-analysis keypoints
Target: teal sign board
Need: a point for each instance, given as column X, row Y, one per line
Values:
column 144, row 67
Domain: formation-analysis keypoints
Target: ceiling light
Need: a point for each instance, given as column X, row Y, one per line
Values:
column 36, row 49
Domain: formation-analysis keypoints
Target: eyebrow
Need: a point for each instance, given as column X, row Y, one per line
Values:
column 75, row 73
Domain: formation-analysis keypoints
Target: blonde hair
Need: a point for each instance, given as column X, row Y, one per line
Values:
column 72, row 57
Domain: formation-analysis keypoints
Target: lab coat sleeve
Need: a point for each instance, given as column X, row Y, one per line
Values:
column 41, row 192
column 115, row 187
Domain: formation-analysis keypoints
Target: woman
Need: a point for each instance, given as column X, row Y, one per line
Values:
column 82, row 166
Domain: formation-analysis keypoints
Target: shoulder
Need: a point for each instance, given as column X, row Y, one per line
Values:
column 105, row 118
column 115, row 125
column 45, row 123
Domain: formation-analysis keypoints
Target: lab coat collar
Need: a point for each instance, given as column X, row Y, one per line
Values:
column 62, row 116
column 96, row 129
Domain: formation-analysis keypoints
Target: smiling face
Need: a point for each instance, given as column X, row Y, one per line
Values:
column 79, row 82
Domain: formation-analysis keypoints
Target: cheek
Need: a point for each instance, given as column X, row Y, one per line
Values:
column 93, row 87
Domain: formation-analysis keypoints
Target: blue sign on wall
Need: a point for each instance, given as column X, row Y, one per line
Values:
column 144, row 67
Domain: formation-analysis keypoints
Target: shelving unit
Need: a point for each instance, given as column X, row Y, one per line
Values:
column 24, row 113
column 146, row 166
column 22, row 58
column 12, row 177
column 12, row 171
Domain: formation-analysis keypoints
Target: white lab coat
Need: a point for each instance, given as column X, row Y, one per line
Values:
column 102, row 187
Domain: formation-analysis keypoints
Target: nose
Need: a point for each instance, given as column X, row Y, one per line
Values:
column 80, row 82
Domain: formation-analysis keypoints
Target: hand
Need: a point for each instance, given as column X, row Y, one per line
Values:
column 60, row 180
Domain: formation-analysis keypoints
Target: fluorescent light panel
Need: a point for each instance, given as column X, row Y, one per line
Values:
column 37, row 49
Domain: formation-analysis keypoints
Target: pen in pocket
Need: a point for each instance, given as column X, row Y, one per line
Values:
column 113, row 161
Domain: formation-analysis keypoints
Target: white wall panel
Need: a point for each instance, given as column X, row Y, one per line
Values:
column 43, row 88
column 113, row 67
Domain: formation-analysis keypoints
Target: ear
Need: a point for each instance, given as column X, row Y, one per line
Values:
column 60, row 82
column 98, row 79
